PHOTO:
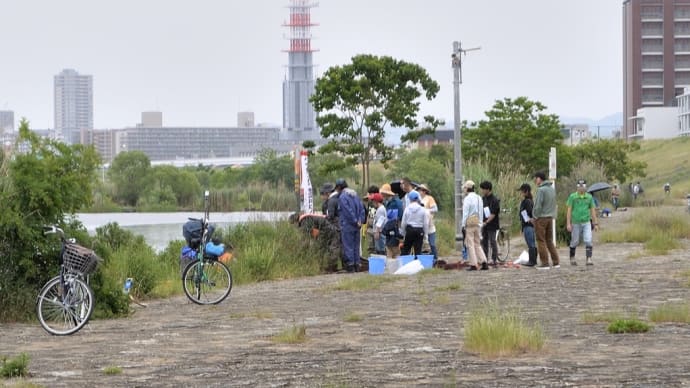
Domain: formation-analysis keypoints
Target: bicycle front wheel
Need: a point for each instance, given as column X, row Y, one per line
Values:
column 64, row 309
column 206, row 282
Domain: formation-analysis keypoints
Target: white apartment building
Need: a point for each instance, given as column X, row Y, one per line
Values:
column 73, row 99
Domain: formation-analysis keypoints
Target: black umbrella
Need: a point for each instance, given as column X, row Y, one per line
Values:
column 599, row 186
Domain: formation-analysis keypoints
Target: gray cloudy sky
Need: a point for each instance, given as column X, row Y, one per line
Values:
column 200, row 62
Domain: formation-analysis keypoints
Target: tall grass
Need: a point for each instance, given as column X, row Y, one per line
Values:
column 495, row 331
column 671, row 312
column 658, row 228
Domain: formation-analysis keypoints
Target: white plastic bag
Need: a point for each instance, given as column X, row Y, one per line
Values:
column 391, row 266
column 410, row 268
column 523, row 259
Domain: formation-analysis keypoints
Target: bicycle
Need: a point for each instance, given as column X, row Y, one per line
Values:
column 503, row 236
column 205, row 280
column 66, row 302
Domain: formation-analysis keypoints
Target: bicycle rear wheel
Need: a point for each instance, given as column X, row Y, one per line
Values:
column 208, row 282
column 64, row 312
column 503, row 245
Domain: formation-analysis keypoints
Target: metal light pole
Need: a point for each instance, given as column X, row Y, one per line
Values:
column 457, row 80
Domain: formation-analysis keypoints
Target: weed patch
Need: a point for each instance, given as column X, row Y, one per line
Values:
column 296, row 334
column 112, row 370
column 621, row 326
column 15, row 366
column 362, row 283
column 671, row 312
column 493, row 331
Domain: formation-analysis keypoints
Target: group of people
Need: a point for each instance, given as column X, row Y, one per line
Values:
column 389, row 221
column 537, row 216
column 402, row 225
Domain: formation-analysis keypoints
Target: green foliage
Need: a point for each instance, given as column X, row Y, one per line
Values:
column 181, row 183
column 628, row 326
column 671, row 312
column 271, row 250
column 357, row 101
column 423, row 167
column 41, row 185
column 112, row 370
column 494, row 331
column 130, row 172
column 295, row 334
column 14, row 367
column 613, row 157
column 659, row 229
column 516, row 133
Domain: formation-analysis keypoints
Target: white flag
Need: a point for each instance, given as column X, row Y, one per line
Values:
column 306, row 194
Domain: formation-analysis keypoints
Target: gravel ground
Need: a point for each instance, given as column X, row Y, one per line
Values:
column 410, row 332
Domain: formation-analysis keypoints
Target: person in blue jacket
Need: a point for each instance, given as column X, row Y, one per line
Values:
column 351, row 215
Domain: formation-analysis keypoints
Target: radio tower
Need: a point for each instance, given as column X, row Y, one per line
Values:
column 298, row 113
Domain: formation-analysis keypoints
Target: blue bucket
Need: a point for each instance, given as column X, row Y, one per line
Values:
column 402, row 260
column 377, row 265
column 427, row 261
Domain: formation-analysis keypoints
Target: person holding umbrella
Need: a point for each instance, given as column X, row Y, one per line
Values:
column 580, row 217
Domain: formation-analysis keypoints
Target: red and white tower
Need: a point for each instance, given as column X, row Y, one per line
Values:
column 298, row 113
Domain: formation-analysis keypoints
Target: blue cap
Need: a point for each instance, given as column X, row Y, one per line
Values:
column 413, row 196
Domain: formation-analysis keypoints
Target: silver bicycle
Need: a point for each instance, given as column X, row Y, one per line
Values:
column 66, row 301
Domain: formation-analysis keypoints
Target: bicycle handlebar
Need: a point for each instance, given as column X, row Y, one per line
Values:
column 53, row 229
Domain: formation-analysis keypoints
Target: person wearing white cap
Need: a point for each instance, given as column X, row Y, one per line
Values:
column 472, row 219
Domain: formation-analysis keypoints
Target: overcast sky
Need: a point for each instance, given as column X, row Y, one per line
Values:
column 200, row 62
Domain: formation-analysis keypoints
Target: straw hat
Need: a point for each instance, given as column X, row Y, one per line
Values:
column 468, row 184
column 386, row 189
column 424, row 187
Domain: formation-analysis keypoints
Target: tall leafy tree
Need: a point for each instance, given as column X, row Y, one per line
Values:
column 357, row 101
column 516, row 135
column 612, row 156
column 130, row 173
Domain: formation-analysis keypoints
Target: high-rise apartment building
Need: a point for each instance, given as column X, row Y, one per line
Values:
column 656, row 55
column 298, row 112
column 6, row 121
column 73, row 104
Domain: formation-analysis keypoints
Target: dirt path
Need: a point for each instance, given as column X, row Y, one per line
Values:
column 410, row 332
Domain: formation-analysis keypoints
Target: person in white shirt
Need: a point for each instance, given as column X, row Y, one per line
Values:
column 378, row 222
column 472, row 220
column 415, row 225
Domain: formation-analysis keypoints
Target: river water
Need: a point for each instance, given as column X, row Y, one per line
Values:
column 158, row 229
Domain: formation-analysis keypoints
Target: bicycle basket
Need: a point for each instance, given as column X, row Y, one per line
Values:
column 80, row 259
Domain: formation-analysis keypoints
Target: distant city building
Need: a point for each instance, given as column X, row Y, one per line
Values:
column 574, row 134
column 6, row 121
column 654, row 123
column 440, row 136
column 245, row 119
column 656, row 59
column 298, row 112
column 73, row 99
column 179, row 143
column 151, row 119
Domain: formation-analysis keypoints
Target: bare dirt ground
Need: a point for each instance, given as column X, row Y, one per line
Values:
column 410, row 332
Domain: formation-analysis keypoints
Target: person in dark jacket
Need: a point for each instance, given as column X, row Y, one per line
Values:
column 351, row 216
column 492, row 207
column 526, row 207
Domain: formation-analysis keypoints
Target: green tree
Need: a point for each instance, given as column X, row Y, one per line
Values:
column 43, row 184
column 612, row 156
column 516, row 135
column 130, row 174
column 183, row 183
column 357, row 101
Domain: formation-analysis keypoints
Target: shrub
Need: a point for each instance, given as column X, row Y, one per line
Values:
column 292, row 335
column 628, row 326
column 14, row 367
column 493, row 332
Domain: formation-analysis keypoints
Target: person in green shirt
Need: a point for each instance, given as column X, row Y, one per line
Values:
column 580, row 218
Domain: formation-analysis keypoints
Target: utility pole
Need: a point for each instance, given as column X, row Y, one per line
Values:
column 457, row 80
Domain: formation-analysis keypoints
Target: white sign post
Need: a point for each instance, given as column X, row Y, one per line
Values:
column 552, row 177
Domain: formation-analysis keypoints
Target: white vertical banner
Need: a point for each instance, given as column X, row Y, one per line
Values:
column 552, row 176
column 306, row 192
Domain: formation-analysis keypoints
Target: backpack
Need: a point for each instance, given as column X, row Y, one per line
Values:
column 192, row 230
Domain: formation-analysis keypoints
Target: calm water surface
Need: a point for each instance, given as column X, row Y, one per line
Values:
column 159, row 229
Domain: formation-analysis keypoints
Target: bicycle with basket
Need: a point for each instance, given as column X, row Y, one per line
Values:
column 206, row 279
column 66, row 302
